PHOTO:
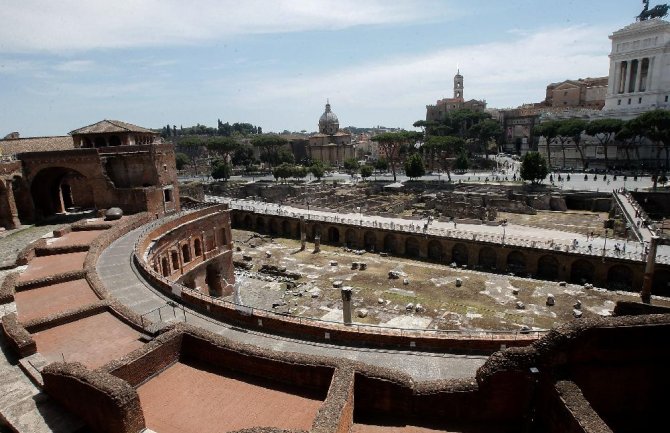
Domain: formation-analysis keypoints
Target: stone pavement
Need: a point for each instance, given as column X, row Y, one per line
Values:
column 124, row 283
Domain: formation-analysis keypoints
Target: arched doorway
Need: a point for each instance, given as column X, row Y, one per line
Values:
column 516, row 263
column 390, row 244
column 100, row 142
column 333, row 235
column 547, row 268
column 350, row 238
column 317, row 229
column 581, row 272
column 260, row 224
column 661, row 283
column 620, row 277
column 274, row 227
column 165, row 267
column 488, row 259
column 459, row 254
column 435, row 250
column 54, row 190
column 370, row 241
column 412, row 248
column 286, row 228
column 247, row 222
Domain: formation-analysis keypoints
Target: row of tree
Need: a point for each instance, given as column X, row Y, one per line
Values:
column 652, row 125
column 222, row 129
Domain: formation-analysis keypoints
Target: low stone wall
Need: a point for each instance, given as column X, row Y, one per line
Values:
column 50, row 280
column 17, row 336
column 7, row 289
column 106, row 403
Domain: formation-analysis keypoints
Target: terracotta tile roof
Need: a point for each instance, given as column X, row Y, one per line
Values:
column 35, row 144
column 110, row 126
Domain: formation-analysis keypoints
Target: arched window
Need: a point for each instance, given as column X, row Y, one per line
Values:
column 186, row 253
column 175, row 260
column 197, row 247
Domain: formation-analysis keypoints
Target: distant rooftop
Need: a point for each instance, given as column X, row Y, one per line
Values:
column 110, row 126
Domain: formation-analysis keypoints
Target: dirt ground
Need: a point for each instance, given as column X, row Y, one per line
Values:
column 484, row 301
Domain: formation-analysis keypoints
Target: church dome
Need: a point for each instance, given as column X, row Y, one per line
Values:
column 328, row 122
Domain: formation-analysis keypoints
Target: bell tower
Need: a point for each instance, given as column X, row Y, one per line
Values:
column 458, row 85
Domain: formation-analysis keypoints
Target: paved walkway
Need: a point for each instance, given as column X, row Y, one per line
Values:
column 511, row 234
column 124, row 283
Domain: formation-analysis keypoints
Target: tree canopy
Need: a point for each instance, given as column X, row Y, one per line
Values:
column 414, row 166
column 534, row 167
column 390, row 144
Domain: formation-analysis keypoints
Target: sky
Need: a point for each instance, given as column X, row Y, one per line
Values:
column 273, row 63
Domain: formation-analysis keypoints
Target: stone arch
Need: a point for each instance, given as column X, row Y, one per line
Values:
column 488, row 259
column 435, row 250
column 661, row 282
column 54, row 189
column 237, row 220
column 197, row 247
column 548, row 268
column 581, row 271
column 412, row 248
column 516, row 262
column 459, row 254
column 350, row 238
column 165, row 266
column 100, row 142
column 174, row 255
column 333, row 235
column 247, row 222
column 390, row 244
column 620, row 277
column 317, row 229
column 21, row 192
column 213, row 279
column 6, row 217
column 260, row 224
column 286, row 228
column 186, row 253
column 274, row 227
column 370, row 240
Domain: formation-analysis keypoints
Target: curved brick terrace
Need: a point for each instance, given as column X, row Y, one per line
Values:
column 124, row 283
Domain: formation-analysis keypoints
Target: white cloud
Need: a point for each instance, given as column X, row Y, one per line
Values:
column 74, row 25
column 503, row 73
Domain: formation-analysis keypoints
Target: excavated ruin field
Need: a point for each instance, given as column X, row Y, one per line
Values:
column 430, row 298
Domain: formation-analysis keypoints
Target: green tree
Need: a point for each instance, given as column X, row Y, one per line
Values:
column 317, row 169
column 442, row 149
column 462, row 162
column 268, row 146
column 604, row 130
column 181, row 160
column 366, row 171
column 351, row 166
column 222, row 147
column 390, row 144
column 631, row 135
column 381, row 165
column 222, row 170
column 655, row 125
column 283, row 171
column 548, row 130
column 571, row 129
column 243, row 156
column 485, row 131
column 534, row 167
column 414, row 166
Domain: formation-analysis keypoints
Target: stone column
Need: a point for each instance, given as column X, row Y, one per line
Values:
column 346, row 305
column 638, row 74
column 303, row 233
column 627, row 76
column 648, row 278
column 317, row 243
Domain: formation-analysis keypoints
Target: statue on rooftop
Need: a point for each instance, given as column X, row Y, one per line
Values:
column 658, row 11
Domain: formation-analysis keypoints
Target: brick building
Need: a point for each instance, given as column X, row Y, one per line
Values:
column 443, row 106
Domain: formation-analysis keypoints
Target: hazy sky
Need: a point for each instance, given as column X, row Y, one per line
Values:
column 69, row 63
